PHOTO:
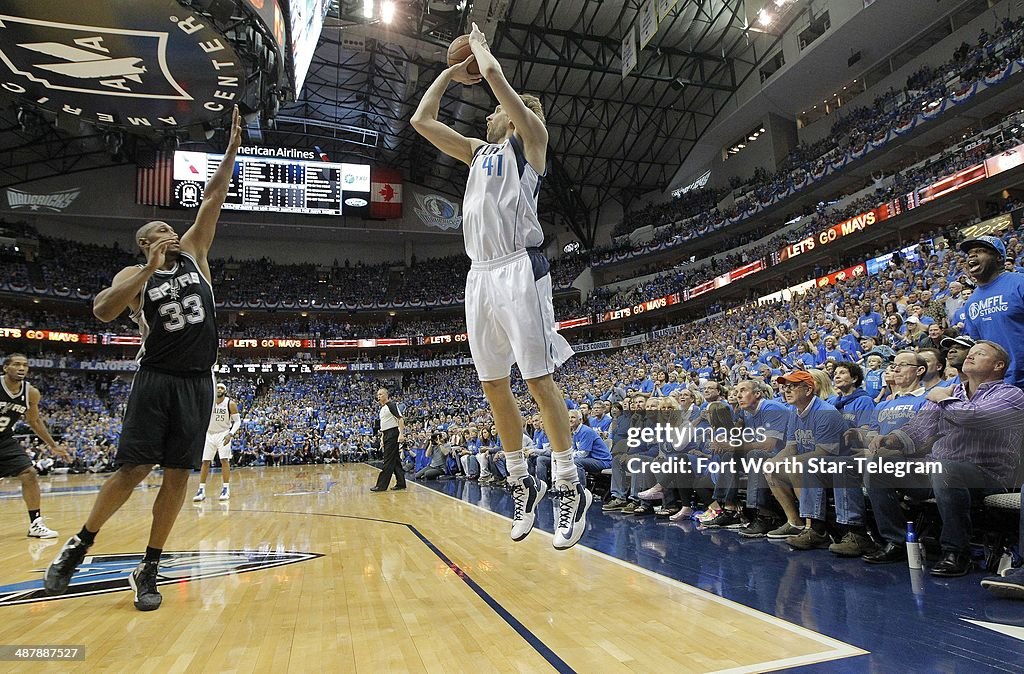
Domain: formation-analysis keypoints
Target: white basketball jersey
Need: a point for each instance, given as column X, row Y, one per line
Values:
column 220, row 420
column 500, row 206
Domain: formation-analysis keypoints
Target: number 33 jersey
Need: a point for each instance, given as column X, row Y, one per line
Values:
column 177, row 321
column 500, row 206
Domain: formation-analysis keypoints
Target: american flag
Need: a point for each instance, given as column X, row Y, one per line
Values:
column 153, row 179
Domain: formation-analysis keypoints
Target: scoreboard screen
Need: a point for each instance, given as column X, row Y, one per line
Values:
column 280, row 185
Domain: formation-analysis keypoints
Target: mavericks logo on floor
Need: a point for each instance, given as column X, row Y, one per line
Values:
column 100, row 574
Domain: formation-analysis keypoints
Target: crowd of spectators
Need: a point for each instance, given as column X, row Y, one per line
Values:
column 891, row 366
column 695, row 214
column 298, row 281
column 359, row 283
column 875, row 366
column 739, row 252
column 80, row 269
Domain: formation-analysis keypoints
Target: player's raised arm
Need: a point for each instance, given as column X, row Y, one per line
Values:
column 125, row 289
column 528, row 126
column 199, row 237
column 425, row 121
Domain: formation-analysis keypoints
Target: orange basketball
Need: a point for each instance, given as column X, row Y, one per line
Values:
column 459, row 51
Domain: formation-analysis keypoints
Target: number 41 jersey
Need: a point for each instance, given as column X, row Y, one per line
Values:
column 177, row 320
column 500, row 206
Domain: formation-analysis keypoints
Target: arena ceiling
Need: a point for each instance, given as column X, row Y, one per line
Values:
column 611, row 138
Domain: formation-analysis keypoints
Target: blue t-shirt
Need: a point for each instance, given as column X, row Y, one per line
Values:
column 602, row 424
column 951, row 382
column 867, row 325
column 824, row 354
column 856, row 408
column 773, row 417
column 995, row 311
column 851, row 346
column 586, row 443
column 820, row 425
column 892, row 414
column 666, row 389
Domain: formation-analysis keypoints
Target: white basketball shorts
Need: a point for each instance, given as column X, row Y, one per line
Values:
column 215, row 446
column 510, row 317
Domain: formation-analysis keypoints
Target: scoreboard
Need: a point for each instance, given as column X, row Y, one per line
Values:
column 280, row 185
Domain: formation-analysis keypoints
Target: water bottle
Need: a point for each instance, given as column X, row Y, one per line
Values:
column 1005, row 564
column 917, row 588
column 913, row 548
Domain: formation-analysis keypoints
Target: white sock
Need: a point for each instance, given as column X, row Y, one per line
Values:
column 516, row 464
column 563, row 468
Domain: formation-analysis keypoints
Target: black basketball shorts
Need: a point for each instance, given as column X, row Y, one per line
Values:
column 166, row 419
column 13, row 459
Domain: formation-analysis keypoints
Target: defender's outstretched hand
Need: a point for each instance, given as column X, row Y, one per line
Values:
column 236, row 131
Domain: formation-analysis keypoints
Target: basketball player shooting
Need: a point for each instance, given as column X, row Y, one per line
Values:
column 171, row 300
column 509, row 313
column 224, row 424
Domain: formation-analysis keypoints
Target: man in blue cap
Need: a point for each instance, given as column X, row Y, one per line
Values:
column 995, row 311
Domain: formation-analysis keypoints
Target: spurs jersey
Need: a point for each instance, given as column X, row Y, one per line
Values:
column 500, row 206
column 12, row 408
column 220, row 420
column 177, row 321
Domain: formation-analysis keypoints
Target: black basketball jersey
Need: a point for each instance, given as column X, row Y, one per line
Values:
column 177, row 321
column 12, row 408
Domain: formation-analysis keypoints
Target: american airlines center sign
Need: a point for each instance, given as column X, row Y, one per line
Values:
column 141, row 64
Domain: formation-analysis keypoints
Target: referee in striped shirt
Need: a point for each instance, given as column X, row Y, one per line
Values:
column 392, row 430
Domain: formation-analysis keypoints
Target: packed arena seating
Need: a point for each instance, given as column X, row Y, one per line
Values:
column 429, row 282
column 289, row 420
column 737, row 252
column 357, row 283
column 856, row 128
column 66, row 268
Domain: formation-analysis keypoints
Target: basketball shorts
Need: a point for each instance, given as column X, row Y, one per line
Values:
column 510, row 317
column 215, row 446
column 13, row 459
column 166, row 419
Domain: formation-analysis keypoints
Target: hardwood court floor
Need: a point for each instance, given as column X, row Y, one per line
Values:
column 394, row 582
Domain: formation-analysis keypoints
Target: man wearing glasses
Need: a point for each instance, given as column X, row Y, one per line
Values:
column 974, row 430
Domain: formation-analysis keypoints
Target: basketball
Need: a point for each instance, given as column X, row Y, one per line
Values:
column 459, row 50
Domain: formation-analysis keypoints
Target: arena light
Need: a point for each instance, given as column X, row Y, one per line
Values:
column 367, row 9
column 387, row 11
column 764, row 17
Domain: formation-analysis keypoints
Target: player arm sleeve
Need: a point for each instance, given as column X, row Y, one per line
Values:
column 236, row 423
